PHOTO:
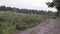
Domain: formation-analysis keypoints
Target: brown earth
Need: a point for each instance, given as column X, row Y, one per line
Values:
column 50, row 26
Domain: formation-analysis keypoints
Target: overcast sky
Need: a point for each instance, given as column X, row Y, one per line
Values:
column 28, row 4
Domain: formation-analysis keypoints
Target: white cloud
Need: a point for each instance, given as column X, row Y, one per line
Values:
column 28, row 4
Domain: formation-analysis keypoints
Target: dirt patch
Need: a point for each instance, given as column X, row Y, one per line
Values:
column 50, row 26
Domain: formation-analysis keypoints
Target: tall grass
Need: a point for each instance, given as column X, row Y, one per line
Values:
column 12, row 21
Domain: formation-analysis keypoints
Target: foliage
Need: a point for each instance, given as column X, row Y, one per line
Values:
column 25, row 11
column 55, row 3
column 12, row 21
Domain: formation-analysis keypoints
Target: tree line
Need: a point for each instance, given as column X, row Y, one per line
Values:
column 40, row 12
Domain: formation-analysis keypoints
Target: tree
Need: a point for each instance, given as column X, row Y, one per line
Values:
column 56, row 4
column 2, row 8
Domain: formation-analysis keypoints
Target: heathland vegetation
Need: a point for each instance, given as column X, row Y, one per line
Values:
column 14, row 19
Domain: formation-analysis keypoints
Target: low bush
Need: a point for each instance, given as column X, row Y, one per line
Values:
column 12, row 21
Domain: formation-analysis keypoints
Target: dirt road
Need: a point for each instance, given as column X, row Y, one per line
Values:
column 50, row 26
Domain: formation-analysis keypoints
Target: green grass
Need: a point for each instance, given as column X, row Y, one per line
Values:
column 12, row 21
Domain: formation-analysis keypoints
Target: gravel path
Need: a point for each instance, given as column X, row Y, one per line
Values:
column 51, row 26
